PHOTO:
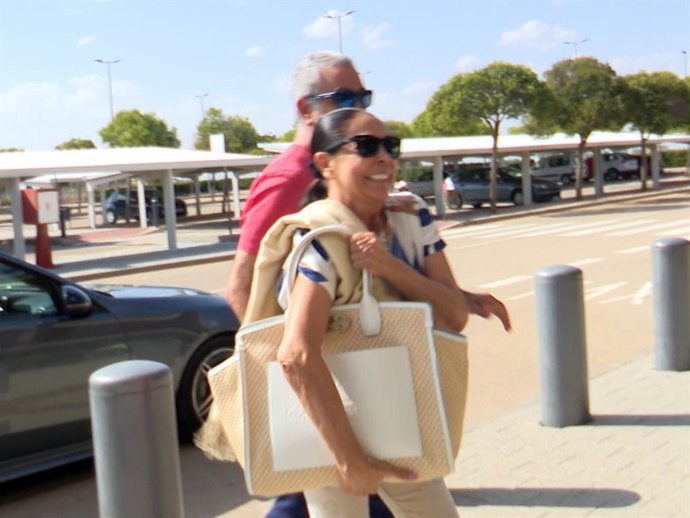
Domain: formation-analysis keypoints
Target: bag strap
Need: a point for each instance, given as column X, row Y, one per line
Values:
column 369, row 312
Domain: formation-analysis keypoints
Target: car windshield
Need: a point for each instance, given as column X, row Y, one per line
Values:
column 513, row 173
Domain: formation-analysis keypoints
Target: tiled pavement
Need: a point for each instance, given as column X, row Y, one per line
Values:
column 632, row 460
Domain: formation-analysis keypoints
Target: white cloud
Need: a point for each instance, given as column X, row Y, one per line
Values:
column 372, row 36
column 324, row 27
column 657, row 62
column 77, row 107
column 466, row 63
column 421, row 87
column 254, row 51
column 537, row 35
column 85, row 40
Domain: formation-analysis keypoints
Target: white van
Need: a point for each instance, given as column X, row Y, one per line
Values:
column 558, row 167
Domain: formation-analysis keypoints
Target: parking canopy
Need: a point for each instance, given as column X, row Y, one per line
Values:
column 142, row 162
column 438, row 149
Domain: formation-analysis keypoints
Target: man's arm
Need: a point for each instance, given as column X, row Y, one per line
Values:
column 240, row 282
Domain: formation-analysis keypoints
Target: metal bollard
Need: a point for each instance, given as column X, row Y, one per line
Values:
column 154, row 212
column 671, row 296
column 135, row 441
column 562, row 346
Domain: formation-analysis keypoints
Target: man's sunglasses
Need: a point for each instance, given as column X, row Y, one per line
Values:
column 345, row 98
column 368, row 145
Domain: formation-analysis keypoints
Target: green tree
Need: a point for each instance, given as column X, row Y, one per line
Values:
column 240, row 134
column 587, row 96
column 288, row 136
column 10, row 149
column 399, row 129
column 440, row 118
column 77, row 143
column 686, row 124
column 133, row 128
column 654, row 103
column 268, row 137
column 493, row 94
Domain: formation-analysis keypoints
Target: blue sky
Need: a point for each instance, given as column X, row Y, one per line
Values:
column 242, row 52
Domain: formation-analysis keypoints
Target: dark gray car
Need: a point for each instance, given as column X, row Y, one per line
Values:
column 55, row 333
column 472, row 187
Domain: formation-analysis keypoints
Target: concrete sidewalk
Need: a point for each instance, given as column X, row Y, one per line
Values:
column 632, row 460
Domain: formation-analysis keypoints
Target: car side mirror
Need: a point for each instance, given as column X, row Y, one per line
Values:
column 75, row 302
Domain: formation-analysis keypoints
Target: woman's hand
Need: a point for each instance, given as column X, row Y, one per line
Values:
column 364, row 477
column 485, row 305
column 369, row 253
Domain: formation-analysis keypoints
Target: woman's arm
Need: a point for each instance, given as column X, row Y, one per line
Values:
column 437, row 286
column 300, row 357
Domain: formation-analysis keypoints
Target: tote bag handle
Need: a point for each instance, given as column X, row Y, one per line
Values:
column 369, row 313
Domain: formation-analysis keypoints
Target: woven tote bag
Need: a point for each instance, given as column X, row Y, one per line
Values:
column 417, row 370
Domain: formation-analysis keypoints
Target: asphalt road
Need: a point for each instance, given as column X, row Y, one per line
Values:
column 611, row 245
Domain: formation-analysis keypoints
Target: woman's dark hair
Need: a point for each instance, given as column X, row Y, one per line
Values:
column 328, row 130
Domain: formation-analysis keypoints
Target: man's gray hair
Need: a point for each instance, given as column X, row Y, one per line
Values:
column 307, row 74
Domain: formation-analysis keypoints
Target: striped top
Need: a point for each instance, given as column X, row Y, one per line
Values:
column 411, row 236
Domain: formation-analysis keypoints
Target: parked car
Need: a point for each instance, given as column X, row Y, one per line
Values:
column 472, row 186
column 614, row 166
column 116, row 206
column 54, row 333
column 556, row 167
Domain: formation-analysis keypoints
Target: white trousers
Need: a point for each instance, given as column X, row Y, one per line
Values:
column 429, row 499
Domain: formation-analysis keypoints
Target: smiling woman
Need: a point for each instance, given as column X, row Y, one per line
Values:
column 395, row 240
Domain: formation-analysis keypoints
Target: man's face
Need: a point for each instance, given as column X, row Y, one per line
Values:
column 336, row 78
column 333, row 79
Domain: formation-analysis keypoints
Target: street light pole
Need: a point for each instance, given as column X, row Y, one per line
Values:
column 575, row 44
column 340, row 29
column 201, row 101
column 685, row 63
column 110, row 82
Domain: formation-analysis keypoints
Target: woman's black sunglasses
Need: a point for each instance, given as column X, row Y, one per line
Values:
column 368, row 145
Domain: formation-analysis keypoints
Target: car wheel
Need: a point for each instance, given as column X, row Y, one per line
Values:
column 453, row 200
column 566, row 179
column 517, row 198
column 611, row 174
column 110, row 217
column 477, row 205
column 194, row 395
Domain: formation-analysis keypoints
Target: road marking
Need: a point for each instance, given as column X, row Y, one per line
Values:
column 645, row 228
column 680, row 231
column 470, row 229
column 615, row 226
column 634, row 250
column 584, row 262
column 506, row 229
column 601, row 290
column 522, row 295
column 554, row 229
column 615, row 299
column 642, row 293
column 507, row 282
